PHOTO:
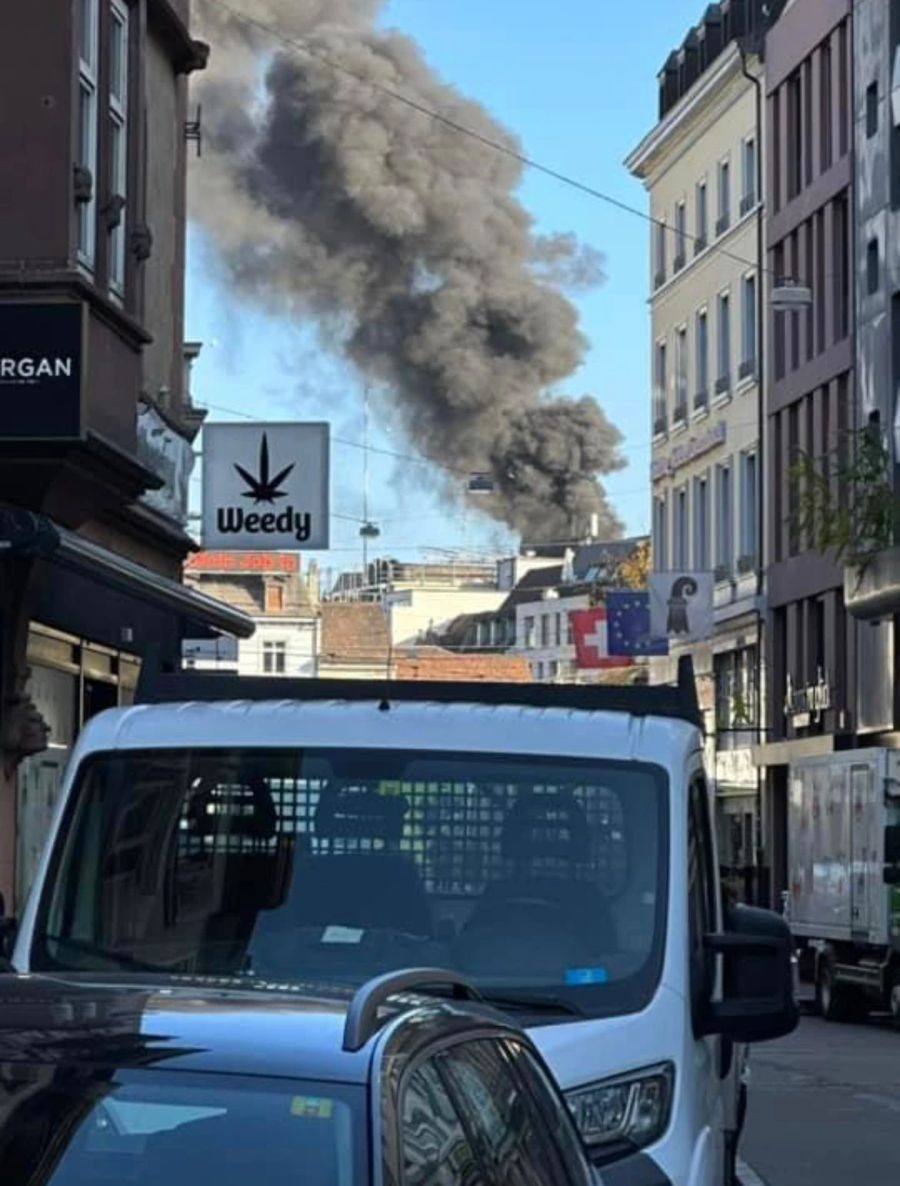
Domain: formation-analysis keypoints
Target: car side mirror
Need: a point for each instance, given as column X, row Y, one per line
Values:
column 758, row 1001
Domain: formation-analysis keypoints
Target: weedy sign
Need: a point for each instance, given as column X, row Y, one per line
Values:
column 265, row 487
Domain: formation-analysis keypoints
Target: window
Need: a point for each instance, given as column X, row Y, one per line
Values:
column 872, row 109
column 748, row 326
column 841, row 279
column 702, row 899
column 680, row 536
column 872, row 266
column 680, row 235
column 748, row 198
column 701, row 524
column 87, row 129
column 681, row 373
column 724, row 218
column 723, row 382
column 570, row 633
column 559, row 632
column 553, row 669
column 702, row 217
column 529, row 638
column 274, row 658
column 436, row 1149
column 825, row 113
column 545, row 630
column 844, row 86
column 662, row 379
column 701, row 349
column 661, row 232
column 749, row 507
column 274, row 598
column 118, row 143
column 660, row 535
column 794, row 134
column 539, row 671
column 516, row 1143
column 724, row 518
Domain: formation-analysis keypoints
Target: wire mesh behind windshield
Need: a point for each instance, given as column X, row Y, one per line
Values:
column 340, row 864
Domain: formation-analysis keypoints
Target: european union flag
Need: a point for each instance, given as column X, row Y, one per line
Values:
column 628, row 625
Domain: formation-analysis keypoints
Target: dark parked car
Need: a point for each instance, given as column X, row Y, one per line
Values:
column 182, row 1082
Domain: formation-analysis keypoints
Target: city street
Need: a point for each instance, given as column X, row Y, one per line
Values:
column 825, row 1107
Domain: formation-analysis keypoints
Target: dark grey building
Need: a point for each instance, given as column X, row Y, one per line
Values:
column 96, row 421
column 813, row 646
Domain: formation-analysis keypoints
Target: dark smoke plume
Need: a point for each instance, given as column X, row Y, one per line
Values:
column 403, row 239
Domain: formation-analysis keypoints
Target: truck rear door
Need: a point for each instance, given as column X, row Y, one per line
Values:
column 863, row 845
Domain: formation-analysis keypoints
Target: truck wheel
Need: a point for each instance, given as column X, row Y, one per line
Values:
column 894, row 1000
column 835, row 1001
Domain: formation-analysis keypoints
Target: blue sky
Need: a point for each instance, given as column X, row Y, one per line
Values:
column 576, row 80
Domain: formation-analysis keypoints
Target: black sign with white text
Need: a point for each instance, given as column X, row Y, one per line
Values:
column 40, row 370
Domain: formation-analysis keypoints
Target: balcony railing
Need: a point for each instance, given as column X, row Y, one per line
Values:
column 723, row 222
column 723, row 384
column 748, row 201
column 701, row 400
column 747, row 369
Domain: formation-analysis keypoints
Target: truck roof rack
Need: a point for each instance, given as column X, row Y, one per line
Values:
column 677, row 701
column 362, row 1016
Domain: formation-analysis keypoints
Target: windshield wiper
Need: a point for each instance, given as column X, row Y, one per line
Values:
column 531, row 1002
column 117, row 957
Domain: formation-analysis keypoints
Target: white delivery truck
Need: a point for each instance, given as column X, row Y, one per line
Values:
column 843, row 898
column 554, row 844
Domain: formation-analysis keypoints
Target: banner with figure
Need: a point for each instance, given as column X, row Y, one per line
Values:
column 681, row 606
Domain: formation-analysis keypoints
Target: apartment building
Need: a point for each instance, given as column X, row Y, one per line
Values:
column 814, row 646
column 700, row 166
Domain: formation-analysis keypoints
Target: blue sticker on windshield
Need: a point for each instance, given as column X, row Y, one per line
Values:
column 586, row 976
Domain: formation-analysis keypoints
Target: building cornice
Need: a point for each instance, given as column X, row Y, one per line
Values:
column 685, row 115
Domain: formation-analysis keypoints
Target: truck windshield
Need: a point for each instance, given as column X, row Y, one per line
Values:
column 69, row 1127
column 543, row 879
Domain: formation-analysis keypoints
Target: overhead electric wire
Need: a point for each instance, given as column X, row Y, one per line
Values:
column 462, row 129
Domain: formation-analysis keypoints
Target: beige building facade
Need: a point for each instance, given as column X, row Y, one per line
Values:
column 700, row 167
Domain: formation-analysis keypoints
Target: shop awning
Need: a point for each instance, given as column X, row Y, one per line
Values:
column 135, row 578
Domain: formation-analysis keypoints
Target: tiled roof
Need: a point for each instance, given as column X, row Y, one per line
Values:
column 354, row 632
column 432, row 663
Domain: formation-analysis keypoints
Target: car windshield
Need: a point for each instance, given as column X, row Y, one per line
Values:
column 541, row 878
column 141, row 1128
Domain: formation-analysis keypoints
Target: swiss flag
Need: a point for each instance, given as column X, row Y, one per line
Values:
column 589, row 628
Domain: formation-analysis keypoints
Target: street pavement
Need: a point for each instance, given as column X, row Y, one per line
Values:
column 824, row 1107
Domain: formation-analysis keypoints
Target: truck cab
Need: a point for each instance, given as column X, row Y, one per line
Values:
column 554, row 845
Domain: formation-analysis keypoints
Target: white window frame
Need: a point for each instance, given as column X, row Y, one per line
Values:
column 701, row 226
column 701, row 377
column 723, row 194
column 749, row 328
column 680, row 232
column 682, row 369
column 724, row 359
column 701, row 522
column 88, row 100
column 748, row 176
column 681, row 529
column 725, row 523
column 118, row 132
column 274, row 649
column 749, row 504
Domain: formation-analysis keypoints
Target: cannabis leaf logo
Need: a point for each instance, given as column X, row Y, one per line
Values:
column 263, row 488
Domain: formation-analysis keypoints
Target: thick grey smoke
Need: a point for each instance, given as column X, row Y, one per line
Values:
column 404, row 240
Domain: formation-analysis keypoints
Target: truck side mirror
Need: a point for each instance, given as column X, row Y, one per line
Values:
column 758, row 1001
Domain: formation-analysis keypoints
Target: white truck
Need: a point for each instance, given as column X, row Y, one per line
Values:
column 554, row 844
column 843, row 897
